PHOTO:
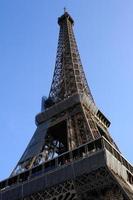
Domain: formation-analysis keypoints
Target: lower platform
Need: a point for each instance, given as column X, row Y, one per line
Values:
column 99, row 174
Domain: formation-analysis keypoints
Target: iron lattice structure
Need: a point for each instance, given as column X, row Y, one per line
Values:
column 79, row 123
column 71, row 155
column 69, row 77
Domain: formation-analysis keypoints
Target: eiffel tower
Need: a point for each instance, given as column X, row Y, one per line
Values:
column 71, row 155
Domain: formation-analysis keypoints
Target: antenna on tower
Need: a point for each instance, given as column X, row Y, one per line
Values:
column 64, row 9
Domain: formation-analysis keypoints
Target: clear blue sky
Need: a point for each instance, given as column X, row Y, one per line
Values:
column 28, row 42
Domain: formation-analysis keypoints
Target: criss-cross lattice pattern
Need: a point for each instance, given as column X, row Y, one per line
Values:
column 69, row 76
column 98, row 185
column 64, row 191
column 112, row 193
column 94, row 180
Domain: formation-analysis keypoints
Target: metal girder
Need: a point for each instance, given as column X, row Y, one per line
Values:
column 69, row 76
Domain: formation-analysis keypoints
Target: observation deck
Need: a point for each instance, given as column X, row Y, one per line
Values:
column 92, row 156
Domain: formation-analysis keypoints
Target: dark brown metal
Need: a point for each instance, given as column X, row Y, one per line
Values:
column 69, row 77
column 71, row 155
column 87, row 176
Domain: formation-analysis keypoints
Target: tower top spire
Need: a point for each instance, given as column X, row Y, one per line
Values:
column 64, row 10
column 65, row 16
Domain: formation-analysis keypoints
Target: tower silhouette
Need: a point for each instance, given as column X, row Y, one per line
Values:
column 71, row 155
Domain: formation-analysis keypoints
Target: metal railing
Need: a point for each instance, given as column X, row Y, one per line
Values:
column 66, row 158
column 117, row 154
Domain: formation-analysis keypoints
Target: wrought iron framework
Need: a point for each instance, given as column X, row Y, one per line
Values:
column 71, row 131
column 69, row 76
column 63, row 191
column 75, row 122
